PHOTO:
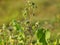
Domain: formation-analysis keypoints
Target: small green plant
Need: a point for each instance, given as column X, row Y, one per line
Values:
column 43, row 36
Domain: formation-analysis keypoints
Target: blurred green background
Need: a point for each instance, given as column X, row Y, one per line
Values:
column 48, row 10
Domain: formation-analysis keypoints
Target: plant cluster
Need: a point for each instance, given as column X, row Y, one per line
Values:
column 26, row 32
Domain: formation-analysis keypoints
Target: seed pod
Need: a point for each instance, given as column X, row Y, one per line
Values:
column 33, row 3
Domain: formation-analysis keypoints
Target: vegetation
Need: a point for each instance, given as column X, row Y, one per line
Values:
column 27, row 32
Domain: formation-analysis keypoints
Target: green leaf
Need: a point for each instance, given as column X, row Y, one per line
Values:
column 42, row 40
column 47, row 35
column 40, row 33
column 43, row 35
column 16, row 25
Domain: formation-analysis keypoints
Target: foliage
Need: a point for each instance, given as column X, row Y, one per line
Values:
column 25, row 32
